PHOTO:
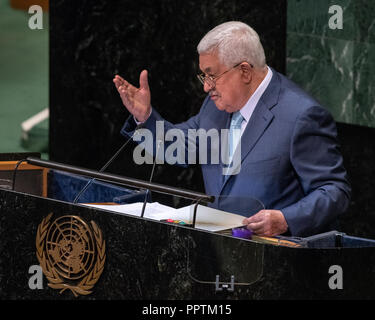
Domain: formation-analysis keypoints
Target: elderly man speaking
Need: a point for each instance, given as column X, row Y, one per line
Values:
column 289, row 157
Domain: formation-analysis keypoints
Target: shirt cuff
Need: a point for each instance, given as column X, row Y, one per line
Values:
column 139, row 122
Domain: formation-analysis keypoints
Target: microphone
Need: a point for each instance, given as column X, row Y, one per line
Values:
column 151, row 176
column 107, row 164
column 15, row 172
column 16, row 168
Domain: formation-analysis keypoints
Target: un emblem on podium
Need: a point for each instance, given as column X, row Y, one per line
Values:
column 71, row 253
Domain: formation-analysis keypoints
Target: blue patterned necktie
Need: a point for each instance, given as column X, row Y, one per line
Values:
column 234, row 133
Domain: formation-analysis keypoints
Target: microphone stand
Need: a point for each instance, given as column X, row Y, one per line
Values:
column 106, row 165
column 152, row 174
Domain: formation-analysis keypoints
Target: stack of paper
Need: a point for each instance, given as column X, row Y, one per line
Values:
column 206, row 219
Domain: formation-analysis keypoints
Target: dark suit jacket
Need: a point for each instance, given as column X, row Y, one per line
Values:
column 290, row 159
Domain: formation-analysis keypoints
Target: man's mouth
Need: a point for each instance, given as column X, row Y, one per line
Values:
column 214, row 96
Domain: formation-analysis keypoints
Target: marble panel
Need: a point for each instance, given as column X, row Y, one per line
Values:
column 310, row 17
column 344, row 57
column 364, row 84
column 324, row 68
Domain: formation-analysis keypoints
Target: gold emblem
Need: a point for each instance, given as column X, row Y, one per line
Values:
column 71, row 253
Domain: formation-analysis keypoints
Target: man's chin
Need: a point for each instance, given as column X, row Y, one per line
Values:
column 222, row 107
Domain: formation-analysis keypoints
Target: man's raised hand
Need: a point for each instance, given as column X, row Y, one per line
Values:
column 136, row 100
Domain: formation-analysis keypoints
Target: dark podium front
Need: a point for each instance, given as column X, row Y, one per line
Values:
column 138, row 258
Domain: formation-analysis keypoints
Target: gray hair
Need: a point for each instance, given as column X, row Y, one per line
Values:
column 234, row 42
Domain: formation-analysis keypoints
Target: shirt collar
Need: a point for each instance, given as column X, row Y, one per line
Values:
column 248, row 109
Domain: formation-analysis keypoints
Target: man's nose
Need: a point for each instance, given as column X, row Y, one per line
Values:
column 207, row 87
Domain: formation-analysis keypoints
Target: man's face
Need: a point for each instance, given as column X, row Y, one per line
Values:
column 227, row 93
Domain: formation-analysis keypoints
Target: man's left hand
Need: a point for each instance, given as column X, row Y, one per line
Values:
column 267, row 223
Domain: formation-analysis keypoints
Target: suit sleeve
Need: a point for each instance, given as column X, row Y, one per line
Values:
column 318, row 164
column 171, row 136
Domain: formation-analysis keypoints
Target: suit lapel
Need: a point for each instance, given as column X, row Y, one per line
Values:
column 258, row 123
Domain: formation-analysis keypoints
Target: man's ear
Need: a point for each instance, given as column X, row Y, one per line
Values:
column 246, row 72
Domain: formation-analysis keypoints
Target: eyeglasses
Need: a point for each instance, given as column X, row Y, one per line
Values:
column 211, row 80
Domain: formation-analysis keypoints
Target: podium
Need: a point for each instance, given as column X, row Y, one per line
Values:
column 134, row 258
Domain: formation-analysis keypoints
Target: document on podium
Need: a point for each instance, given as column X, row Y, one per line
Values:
column 207, row 218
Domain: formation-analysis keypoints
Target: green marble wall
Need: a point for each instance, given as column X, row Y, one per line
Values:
column 336, row 66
